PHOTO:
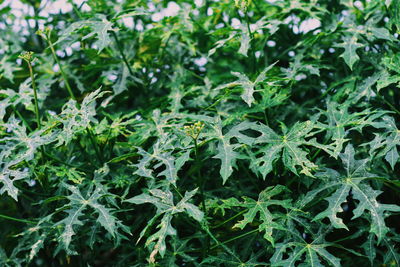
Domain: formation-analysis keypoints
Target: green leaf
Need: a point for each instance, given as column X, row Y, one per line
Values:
column 386, row 79
column 19, row 147
column 339, row 123
column 247, row 85
column 288, row 146
column 335, row 206
column 226, row 150
column 99, row 28
column 385, row 143
column 76, row 119
column 394, row 10
column 369, row 248
column 243, row 35
column 162, row 157
column 350, row 46
column 163, row 200
column 7, row 69
column 76, row 207
column 392, row 256
column 355, row 179
column 312, row 253
column 8, row 177
column 261, row 206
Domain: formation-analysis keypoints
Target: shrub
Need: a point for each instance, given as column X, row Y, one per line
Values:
column 210, row 133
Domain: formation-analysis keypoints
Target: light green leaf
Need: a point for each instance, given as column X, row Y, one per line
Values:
column 8, row 177
column 99, row 28
column 335, row 202
column 260, row 207
column 339, row 123
column 355, row 179
column 77, row 205
column 350, row 46
column 288, row 146
column 77, row 119
column 162, row 157
column 311, row 252
column 385, row 143
column 247, row 85
column 226, row 150
column 369, row 248
column 7, row 69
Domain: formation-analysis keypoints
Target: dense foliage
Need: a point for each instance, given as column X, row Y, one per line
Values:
column 222, row 133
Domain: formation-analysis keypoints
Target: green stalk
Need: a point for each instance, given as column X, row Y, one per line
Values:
column 266, row 117
column 177, row 190
column 75, row 8
column 22, row 118
column 392, row 107
column 53, row 52
column 63, row 162
column 94, row 144
column 121, row 51
column 229, row 219
column 46, row 35
column 222, row 244
column 199, row 182
column 16, row 219
column 27, row 56
column 253, row 53
column 34, row 94
column 234, row 238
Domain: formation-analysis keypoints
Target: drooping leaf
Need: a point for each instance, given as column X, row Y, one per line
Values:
column 350, row 46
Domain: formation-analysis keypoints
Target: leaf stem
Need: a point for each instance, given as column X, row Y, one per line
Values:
column 16, row 219
column 47, row 36
column 222, row 244
column 63, row 162
column 177, row 190
column 199, row 182
column 392, row 107
column 94, row 144
column 234, row 238
column 53, row 52
column 34, row 94
column 253, row 53
column 121, row 51
column 22, row 118
column 229, row 219
column 74, row 7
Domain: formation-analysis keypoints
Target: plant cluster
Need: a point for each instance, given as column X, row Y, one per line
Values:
column 200, row 133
